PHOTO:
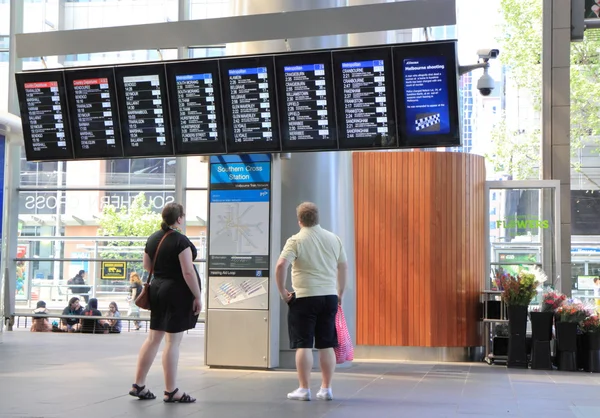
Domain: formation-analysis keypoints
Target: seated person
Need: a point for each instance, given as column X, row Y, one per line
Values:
column 41, row 323
column 93, row 326
column 74, row 308
column 78, row 280
column 114, row 324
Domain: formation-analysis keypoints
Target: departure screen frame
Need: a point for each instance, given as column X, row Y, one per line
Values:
column 249, row 63
column 188, row 68
column 50, row 153
column 447, row 51
column 144, row 151
column 301, row 59
column 361, row 55
column 78, row 150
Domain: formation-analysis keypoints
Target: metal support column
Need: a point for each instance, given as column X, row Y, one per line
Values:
column 181, row 162
column 12, row 167
column 556, row 108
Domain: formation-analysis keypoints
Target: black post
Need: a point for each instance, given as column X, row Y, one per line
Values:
column 541, row 335
column 566, row 333
column 592, row 346
column 517, row 343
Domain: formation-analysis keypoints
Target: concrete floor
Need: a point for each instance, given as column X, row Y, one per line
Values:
column 71, row 375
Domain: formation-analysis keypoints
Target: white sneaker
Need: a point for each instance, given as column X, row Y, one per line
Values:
column 325, row 394
column 299, row 394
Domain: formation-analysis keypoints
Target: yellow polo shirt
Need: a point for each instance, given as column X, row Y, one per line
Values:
column 315, row 254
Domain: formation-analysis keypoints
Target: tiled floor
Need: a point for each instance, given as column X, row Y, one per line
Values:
column 66, row 375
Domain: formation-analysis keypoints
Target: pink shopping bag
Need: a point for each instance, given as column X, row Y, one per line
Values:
column 345, row 350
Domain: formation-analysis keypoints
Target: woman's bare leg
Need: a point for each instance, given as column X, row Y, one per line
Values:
column 170, row 359
column 147, row 355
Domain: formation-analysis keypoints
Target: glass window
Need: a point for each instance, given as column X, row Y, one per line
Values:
column 217, row 51
column 208, row 9
column 102, row 14
column 197, row 173
column 593, row 269
column 141, row 171
column 196, row 219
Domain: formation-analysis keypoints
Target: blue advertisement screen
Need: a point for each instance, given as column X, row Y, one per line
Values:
column 426, row 96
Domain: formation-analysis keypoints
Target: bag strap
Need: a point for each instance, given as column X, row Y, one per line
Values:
column 156, row 254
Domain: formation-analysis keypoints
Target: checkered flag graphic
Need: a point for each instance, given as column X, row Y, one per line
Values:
column 429, row 122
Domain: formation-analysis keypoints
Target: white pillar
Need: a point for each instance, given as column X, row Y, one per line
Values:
column 556, row 108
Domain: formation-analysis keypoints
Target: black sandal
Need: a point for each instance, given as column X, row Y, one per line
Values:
column 185, row 398
column 137, row 392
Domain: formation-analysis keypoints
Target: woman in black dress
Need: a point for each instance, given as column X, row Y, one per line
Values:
column 175, row 302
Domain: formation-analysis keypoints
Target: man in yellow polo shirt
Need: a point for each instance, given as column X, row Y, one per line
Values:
column 319, row 271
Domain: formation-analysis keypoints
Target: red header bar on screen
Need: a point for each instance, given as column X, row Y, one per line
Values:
column 41, row 85
column 90, row 81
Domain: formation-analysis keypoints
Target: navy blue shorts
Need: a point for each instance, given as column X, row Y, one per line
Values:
column 311, row 322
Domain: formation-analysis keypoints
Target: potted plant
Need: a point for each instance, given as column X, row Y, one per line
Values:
column 568, row 317
column 591, row 343
column 517, row 293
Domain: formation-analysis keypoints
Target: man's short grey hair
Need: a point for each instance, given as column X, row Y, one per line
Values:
column 308, row 214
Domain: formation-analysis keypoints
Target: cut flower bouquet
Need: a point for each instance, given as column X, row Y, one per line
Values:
column 519, row 290
column 552, row 300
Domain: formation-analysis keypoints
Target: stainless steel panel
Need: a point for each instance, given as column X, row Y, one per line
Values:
column 237, row 338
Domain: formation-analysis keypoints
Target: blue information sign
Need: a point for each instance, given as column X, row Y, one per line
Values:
column 239, row 216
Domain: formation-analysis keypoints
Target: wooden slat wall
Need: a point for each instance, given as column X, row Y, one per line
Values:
column 419, row 225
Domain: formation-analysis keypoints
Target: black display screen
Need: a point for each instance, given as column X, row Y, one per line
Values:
column 250, row 105
column 94, row 116
column 195, row 97
column 44, row 116
column 427, row 94
column 144, row 111
column 365, row 98
column 306, row 101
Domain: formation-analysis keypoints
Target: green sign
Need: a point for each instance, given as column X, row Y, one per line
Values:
column 114, row 270
column 523, row 222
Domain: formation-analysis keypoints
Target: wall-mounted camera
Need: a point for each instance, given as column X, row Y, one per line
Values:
column 486, row 83
column 488, row 54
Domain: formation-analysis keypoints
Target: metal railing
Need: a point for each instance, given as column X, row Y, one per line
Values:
column 47, row 275
column 49, row 316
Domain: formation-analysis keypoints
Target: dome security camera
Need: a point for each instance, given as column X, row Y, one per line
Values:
column 485, row 84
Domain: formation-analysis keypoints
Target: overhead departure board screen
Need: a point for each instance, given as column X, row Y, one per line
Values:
column 365, row 98
column 249, row 104
column 144, row 110
column 44, row 116
column 427, row 94
column 306, row 101
column 195, row 98
column 94, row 119
column 383, row 97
